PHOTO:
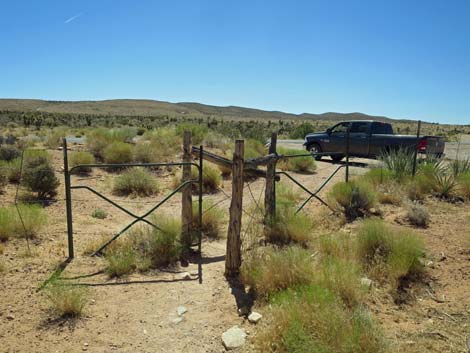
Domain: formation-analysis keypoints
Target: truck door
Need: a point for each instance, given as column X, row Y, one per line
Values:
column 359, row 138
column 337, row 138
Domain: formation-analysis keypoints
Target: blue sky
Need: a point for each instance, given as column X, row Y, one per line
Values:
column 403, row 59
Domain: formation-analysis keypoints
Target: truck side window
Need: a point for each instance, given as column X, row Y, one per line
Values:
column 340, row 128
column 381, row 128
column 360, row 127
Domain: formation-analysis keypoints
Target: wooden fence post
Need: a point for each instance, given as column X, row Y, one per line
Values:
column 233, row 254
column 270, row 191
column 187, row 199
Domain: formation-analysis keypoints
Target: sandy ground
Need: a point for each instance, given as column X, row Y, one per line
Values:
column 137, row 314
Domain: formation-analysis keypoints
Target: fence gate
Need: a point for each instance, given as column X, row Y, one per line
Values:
column 142, row 218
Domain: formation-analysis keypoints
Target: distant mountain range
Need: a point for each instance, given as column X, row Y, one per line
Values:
column 140, row 107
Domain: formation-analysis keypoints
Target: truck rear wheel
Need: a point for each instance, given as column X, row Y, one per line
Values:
column 315, row 148
column 337, row 157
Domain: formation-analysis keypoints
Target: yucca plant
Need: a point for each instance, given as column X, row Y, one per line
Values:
column 460, row 166
column 445, row 185
column 399, row 161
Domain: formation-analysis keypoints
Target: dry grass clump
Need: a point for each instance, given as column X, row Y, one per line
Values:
column 121, row 259
column 211, row 179
column 304, row 164
column 354, row 198
column 136, row 182
column 67, row 300
column 80, row 158
column 287, row 193
column 32, row 220
column 313, row 319
column 288, row 227
column 275, row 269
column 378, row 176
column 464, row 185
column 99, row 213
column 212, row 219
column 388, row 253
column 417, row 214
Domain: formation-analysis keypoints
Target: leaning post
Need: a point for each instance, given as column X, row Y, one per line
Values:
column 233, row 254
column 187, row 199
column 68, row 200
column 270, row 191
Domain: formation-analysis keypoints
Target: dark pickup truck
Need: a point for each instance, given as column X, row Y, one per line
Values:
column 368, row 139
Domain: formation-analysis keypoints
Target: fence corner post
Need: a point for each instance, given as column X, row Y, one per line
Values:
column 270, row 191
column 187, row 199
column 68, row 200
column 233, row 254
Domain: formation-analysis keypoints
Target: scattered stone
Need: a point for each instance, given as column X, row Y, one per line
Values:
column 185, row 275
column 181, row 310
column 430, row 264
column 11, row 317
column 366, row 282
column 254, row 317
column 233, row 338
column 177, row 320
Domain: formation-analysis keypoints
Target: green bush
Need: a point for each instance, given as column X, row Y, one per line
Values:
column 54, row 138
column 136, row 182
column 11, row 170
column 276, row 269
column 312, row 319
column 254, row 149
column 289, row 227
column 9, row 152
column 355, row 198
column 117, row 153
column 67, row 300
column 389, row 253
column 99, row 139
column 460, row 166
column 379, row 176
column 80, row 158
column 296, row 164
column 198, row 132
column 99, row 213
column 32, row 220
column 38, row 175
column 300, row 131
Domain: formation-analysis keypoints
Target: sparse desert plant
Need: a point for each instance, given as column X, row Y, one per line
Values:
column 212, row 219
column 136, row 182
column 211, row 179
column 464, row 185
column 338, row 246
column 399, row 161
column 54, row 138
column 11, row 170
column 32, row 220
column 121, row 259
column 81, row 158
column 313, row 319
column 355, row 198
column 304, row 164
column 421, row 186
column 9, row 152
column 118, row 153
column 99, row 213
column 66, row 300
column 445, row 185
column 275, row 269
column 379, row 176
column 287, row 193
column 417, row 214
column 38, row 175
column 288, row 227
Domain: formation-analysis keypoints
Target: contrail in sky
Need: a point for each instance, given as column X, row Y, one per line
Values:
column 73, row 17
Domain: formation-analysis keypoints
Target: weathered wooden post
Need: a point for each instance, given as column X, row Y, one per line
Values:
column 415, row 155
column 270, row 191
column 187, row 199
column 233, row 254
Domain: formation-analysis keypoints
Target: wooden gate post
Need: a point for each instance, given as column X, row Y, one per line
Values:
column 270, row 192
column 233, row 254
column 187, row 199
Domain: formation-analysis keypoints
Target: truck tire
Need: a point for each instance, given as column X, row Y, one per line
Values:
column 315, row 148
column 337, row 157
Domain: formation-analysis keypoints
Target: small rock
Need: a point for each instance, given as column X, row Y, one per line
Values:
column 181, row 310
column 254, row 317
column 366, row 282
column 177, row 320
column 233, row 338
column 430, row 264
column 185, row 275
column 11, row 317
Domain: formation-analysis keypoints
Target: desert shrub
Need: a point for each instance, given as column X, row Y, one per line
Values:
column 11, row 170
column 399, row 162
column 54, row 138
column 38, row 175
column 99, row 139
column 9, row 152
column 149, row 152
column 417, row 214
column 67, row 300
column 118, row 153
column 460, row 166
column 254, row 149
column 379, row 176
column 3, row 181
column 216, row 140
column 33, row 218
column 297, row 164
column 300, row 131
column 389, row 253
column 355, row 198
column 287, row 194
column 338, row 246
column 162, row 246
column 121, row 259
column 136, row 182
column 445, row 185
column 79, row 158
column 464, row 185
column 277, row 269
column 212, row 219
column 312, row 319
column 211, row 179
column 422, row 185
column 198, row 131
column 391, row 194
column 99, row 213
column 288, row 227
